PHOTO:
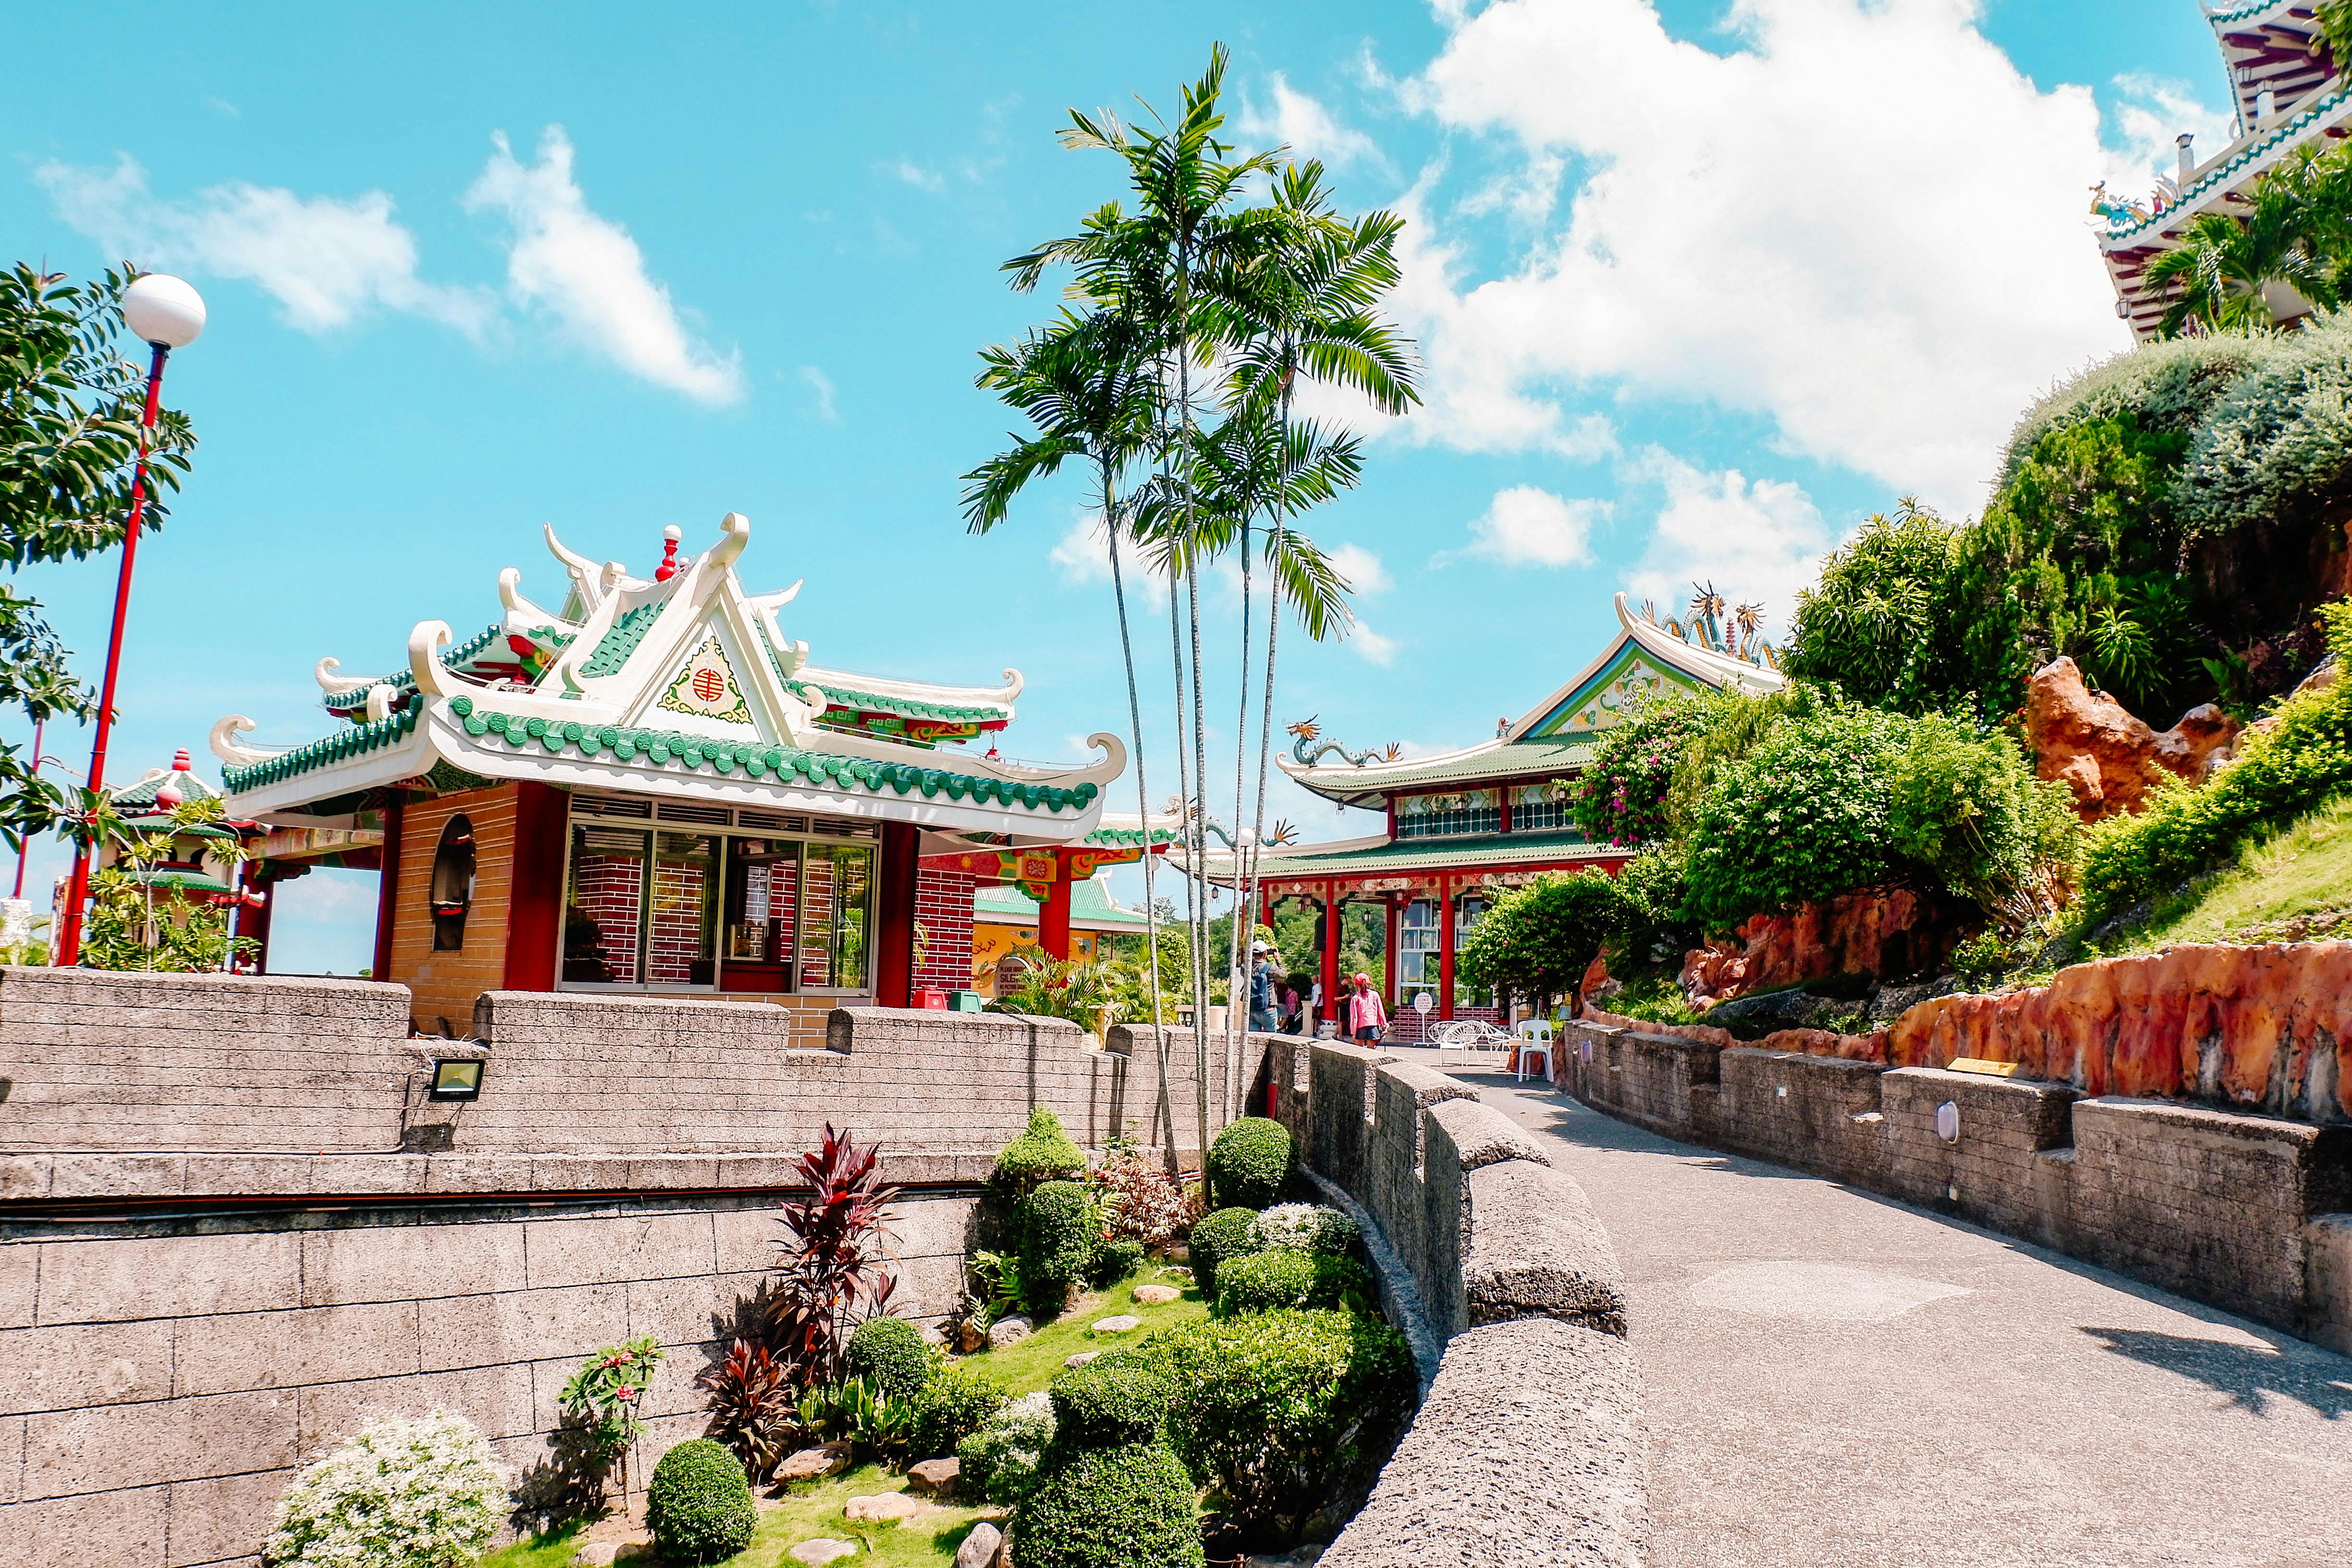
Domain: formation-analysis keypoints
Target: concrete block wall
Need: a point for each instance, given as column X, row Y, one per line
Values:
column 1528, row 1448
column 2244, row 1212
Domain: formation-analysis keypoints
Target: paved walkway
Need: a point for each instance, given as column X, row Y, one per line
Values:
column 1838, row 1381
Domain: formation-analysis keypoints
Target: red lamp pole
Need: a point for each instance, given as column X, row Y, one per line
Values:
column 69, row 938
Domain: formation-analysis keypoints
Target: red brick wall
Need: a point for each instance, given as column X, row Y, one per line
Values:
column 943, row 905
column 675, row 940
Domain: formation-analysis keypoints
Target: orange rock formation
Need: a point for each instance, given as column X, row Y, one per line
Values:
column 2110, row 758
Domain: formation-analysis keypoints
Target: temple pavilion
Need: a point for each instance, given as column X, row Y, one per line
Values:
column 649, row 789
column 2288, row 92
column 1457, row 828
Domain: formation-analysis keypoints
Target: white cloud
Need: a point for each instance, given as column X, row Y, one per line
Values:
column 1797, row 229
column 2151, row 115
column 822, row 386
column 585, row 272
column 914, row 174
column 1083, row 554
column 325, row 261
column 1362, row 568
column 1309, row 128
column 1531, row 527
column 1756, row 540
column 1373, row 647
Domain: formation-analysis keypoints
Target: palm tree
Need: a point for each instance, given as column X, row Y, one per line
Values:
column 2223, row 270
column 1086, row 384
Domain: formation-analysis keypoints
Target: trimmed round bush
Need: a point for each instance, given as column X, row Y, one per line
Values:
column 1000, row 1461
column 1249, row 1162
column 1127, row 1507
column 953, row 1405
column 402, row 1494
column 1226, row 1235
column 1114, row 1259
column 1282, row 1411
column 1309, row 1228
column 1284, row 1277
column 699, row 1504
column 1105, row 1403
column 1059, row 1234
column 1041, row 1154
column 890, row 1351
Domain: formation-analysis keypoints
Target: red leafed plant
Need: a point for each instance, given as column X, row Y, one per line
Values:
column 830, row 1261
column 751, row 1406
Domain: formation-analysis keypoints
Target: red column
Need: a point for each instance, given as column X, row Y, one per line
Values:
column 894, row 915
column 1054, row 916
column 1445, row 947
column 253, row 921
column 535, row 894
column 387, row 893
column 1394, row 903
column 1331, row 1008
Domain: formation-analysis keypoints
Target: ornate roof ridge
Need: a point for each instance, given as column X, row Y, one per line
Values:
column 2232, row 165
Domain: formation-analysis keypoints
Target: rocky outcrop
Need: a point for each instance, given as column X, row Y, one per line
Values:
column 2110, row 758
column 1873, row 932
column 2251, row 1026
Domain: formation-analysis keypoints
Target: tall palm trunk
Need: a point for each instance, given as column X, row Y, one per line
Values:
column 1243, row 959
column 1266, row 703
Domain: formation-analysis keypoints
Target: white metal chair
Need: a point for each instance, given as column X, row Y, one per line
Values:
column 1471, row 1042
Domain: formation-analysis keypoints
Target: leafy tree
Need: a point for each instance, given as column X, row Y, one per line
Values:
column 2227, row 269
column 1539, row 940
column 69, row 435
column 1967, row 808
column 1620, row 796
column 1804, row 816
column 1884, row 621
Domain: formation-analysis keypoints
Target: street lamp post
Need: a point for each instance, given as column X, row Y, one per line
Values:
column 167, row 314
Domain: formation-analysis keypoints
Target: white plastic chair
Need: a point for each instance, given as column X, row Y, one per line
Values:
column 1534, row 1048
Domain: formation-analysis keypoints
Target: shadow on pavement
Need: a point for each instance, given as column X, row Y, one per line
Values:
column 2251, row 1376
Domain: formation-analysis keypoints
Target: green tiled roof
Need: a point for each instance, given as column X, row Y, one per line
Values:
column 356, row 742
column 165, row 878
column 1430, row 853
column 456, row 654
column 756, row 760
column 902, row 706
column 144, row 792
column 627, row 631
column 1128, row 838
column 1512, row 759
column 1091, row 906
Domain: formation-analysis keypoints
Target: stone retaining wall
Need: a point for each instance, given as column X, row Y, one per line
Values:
column 1528, row 1448
column 232, row 1228
column 2235, row 1210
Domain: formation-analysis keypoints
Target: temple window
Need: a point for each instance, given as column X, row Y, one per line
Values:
column 1437, row 816
column 1417, row 938
column 1541, row 808
column 451, row 893
column 653, row 909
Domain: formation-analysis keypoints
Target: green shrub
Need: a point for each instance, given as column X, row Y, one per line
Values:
column 1282, row 1411
column 1539, row 940
column 890, row 1353
column 1967, row 807
column 1127, row 1507
column 1059, row 1234
column 1309, row 1228
column 1042, row 1154
column 952, row 1407
column 1802, row 817
column 1224, row 1235
column 2279, row 775
column 999, row 1462
column 402, row 1494
column 1248, row 1163
column 699, row 1504
column 1107, row 1402
column 1284, row 1277
column 1114, row 1261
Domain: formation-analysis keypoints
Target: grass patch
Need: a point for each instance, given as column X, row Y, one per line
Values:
column 930, row 1539
column 2270, row 889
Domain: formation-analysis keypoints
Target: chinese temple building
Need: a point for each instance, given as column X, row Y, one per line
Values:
column 1004, row 920
column 192, row 861
column 1460, row 827
column 650, row 789
column 2287, row 87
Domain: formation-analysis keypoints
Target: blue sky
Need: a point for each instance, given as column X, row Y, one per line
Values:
column 1698, row 288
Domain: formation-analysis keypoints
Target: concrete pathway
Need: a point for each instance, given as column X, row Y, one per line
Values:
column 1838, row 1381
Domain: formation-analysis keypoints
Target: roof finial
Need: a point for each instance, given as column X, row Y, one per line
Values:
column 668, row 567
column 168, row 794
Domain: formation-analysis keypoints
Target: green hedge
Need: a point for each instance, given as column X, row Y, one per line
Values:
column 1224, row 1235
column 1114, row 1261
column 1248, row 1163
column 1127, row 1507
column 1041, row 1154
column 1105, row 1403
column 890, row 1352
column 699, row 1504
column 1284, row 1278
column 953, row 1405
column 1060, row 1232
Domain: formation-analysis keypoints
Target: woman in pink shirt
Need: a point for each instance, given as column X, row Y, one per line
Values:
column 1365, row 1017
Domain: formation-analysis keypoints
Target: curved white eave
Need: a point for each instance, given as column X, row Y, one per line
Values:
column 387, row 765
column 1371, row 775
column 1714, row 668
column 831, row 680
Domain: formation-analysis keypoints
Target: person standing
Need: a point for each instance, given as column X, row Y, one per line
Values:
column 1366, row 1017
column 1261, row 1018
column 1314, row 1005
column 1292, row 1010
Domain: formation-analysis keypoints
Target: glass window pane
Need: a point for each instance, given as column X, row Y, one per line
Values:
column 763, row 882
column 1417, row 944
column 837, row 891
column 684, row 938
column 604, row 906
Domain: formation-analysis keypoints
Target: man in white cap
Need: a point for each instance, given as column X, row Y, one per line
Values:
column 1262, row 1016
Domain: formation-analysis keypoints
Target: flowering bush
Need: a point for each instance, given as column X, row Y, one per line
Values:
column 1000, row 1461
column 606, row 1394
column 1307, row 1227
column 1620, row 799
column 402, row 1494
column 1141, row 1201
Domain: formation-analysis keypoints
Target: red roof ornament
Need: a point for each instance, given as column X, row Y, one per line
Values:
column 668, row 567
column 168, row 794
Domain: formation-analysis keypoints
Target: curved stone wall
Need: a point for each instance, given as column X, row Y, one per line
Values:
column 1528, row 1448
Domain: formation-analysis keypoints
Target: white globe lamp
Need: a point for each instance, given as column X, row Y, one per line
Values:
column 163, row 310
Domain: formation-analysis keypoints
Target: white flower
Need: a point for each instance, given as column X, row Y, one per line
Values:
column 403, row 1494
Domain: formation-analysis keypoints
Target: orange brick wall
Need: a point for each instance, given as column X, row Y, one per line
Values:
column 443, row 985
